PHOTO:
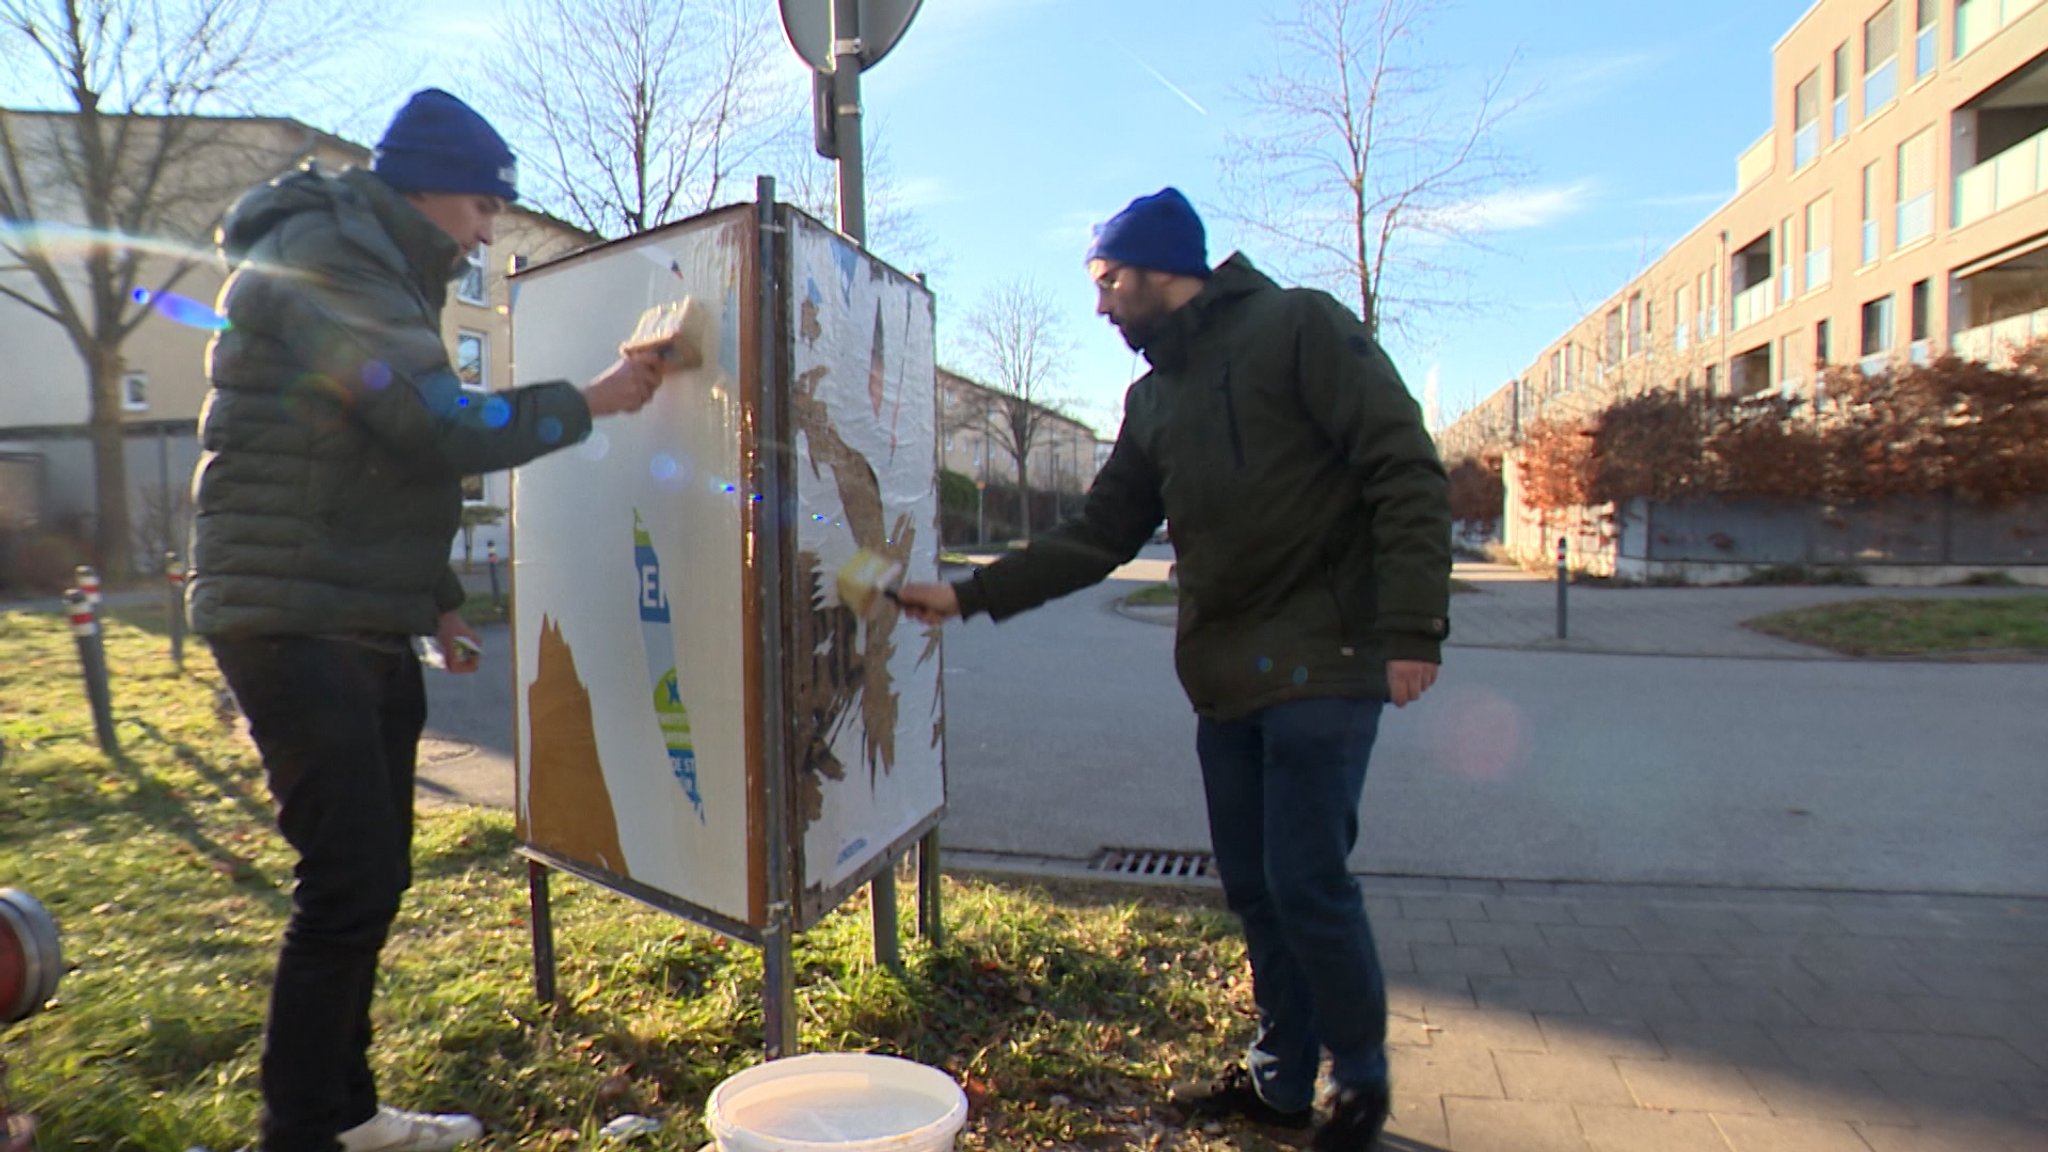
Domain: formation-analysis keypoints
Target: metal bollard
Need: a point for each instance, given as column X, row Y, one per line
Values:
column 491, row 562
column 89, row 583
column 174, row 606
column 1563, row 582
column 92, row 657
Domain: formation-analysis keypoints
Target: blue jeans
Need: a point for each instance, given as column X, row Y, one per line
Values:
column 1283, row 786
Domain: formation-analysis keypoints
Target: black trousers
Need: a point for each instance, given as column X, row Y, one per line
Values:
column 338, row 723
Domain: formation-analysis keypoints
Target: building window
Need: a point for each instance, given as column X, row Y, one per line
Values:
column 1880, row 59
column 1681, row 328
column 1788, row 380
column 470, row 289
column 1636, row 324
column 1820, row 222
column 469, row 361
column 1916, row 188
column 1611, row 348
column 1784, row 255
column 1840, row 90
column 1877, row 327
column 1925, row 21
column 1821, row 350
column 1919, row 320
column 1712, row 384
column 1870, row 198
column 1806, row 121
column 135, row 392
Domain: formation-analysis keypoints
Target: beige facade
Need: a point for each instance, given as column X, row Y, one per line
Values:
column 1065, row 453
column 43, row 392
column 1896, row 208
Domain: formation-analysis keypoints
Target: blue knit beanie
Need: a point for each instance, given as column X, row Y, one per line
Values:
column 437, row 143
column 1160, row 232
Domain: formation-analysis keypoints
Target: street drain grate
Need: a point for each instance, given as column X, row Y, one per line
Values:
column 1148, row 862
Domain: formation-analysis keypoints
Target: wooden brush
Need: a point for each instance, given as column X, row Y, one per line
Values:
column 676, row 332
column 866, row 580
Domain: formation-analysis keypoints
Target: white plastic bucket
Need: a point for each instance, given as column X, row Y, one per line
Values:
column 841, row 1101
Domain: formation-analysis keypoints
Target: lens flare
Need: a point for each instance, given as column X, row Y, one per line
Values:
column 597, row 447
column 549, row 430
column 497, row 412
column 181, row 310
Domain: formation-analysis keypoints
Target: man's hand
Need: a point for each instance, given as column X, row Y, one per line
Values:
column 461, row 649
column 626, row 386
column 929, row 603
column 1407, row 680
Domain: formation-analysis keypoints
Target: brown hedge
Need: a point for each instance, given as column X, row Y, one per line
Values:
column 1950, row 426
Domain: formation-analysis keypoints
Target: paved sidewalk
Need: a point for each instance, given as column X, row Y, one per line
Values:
column 1530, row 1017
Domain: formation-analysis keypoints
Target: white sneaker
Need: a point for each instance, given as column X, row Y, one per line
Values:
column 396, row 1130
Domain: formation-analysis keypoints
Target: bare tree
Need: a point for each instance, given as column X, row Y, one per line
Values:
column 1014, row 338
column 1361, row 167
column 116, row 188
column 634, row 113
column 811, row 182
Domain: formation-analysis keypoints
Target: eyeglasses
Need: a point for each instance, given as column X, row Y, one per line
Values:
column 1111, row 277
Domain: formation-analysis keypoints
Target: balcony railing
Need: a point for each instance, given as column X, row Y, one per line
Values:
column 1916, row 218
column 2013, row 175
column 1995, row 343
column 1880, row 86
column 1979, row 20
column 1752, row 304
column 1819, row 268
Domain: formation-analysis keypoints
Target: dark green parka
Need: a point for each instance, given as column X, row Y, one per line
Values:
column 336, row 435
column 1309, row 510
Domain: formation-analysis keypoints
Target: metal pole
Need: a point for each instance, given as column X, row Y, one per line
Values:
column 543, row 931
column 853, row 221
column 491, row 562
column 853, row 210
column 931, row 923
column 1563, row 582
column 174, row 603
column 92, row 659
column 778, row 961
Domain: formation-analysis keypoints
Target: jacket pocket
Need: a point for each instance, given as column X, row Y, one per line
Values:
column 1230, row 419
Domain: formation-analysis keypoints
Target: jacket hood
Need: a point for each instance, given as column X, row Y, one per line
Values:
column 1232, row 281
column 365, row 211
column 263, row 208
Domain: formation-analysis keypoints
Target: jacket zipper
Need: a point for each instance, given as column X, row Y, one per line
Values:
column 1230, row 418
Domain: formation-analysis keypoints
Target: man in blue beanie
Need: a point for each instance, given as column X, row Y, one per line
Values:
column 336, row 438
column 1312, row 526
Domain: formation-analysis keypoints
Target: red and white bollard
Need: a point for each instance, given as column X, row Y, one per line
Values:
column 174, row 575
column 89, row 583
column 92, row 658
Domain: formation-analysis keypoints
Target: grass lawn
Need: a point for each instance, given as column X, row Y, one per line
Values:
column 1897, row 627
column 1066, row 1013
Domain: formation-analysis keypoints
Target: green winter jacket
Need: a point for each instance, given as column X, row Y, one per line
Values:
column 1309, row 509
column 336, row 436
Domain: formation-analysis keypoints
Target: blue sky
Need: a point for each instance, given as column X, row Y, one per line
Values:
column 1015, row 124
column 1012, row 126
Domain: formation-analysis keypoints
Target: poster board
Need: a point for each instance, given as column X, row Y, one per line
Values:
column 642, row 619
column 863, row 416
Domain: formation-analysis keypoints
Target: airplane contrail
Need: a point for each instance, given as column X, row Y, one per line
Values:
column 1176, row 89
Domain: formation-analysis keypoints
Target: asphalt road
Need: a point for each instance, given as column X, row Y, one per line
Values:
column 1067, row 733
